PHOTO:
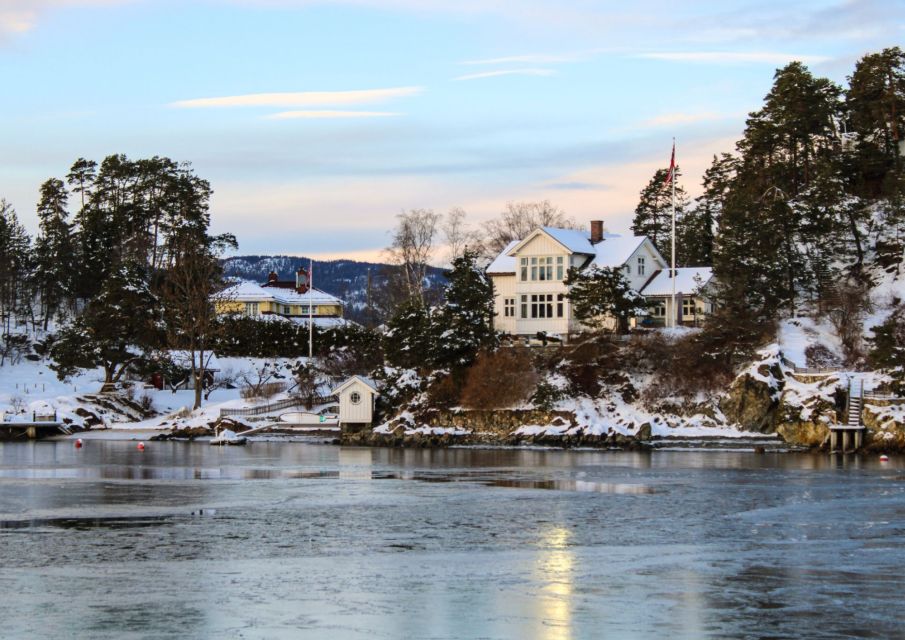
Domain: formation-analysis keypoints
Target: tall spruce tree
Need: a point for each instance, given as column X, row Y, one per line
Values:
column 464, row 321
column 54, row 259
column 600, row 295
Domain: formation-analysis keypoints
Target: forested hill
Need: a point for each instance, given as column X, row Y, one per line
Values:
column 346, row 279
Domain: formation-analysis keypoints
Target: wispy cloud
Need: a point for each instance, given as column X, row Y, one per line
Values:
column 732, row 57
column 300, row 98
column 531, row 58
column 314, row 115
column 507, row 72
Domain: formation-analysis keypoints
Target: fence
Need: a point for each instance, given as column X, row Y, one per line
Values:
column 267, row 409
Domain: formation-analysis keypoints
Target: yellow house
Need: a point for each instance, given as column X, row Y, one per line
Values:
column 290, row 300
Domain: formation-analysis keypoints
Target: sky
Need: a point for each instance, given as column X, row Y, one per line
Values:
column 317, row 122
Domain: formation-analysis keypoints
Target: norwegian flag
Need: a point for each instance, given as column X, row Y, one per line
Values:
column 672, row 165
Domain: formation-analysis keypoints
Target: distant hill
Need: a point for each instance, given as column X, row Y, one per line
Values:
column 345, row 279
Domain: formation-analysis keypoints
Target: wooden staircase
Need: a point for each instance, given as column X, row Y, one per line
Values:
column 849, row 436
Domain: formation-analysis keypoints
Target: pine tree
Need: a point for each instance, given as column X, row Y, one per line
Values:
column 601, row 294
column 14, row 271
column 888, row 347
column 54, row 264
column 117, row 330
column 875, row 102
column 653, row 215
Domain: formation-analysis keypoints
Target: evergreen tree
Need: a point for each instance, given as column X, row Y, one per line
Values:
column 54, row 264
column 653, row 215
column 464, row 322
column 117, row 330
column 409, row 339
column 696, row 229
column 601, row 294
column 875, row 102
column 14, row 275
column 888, row 350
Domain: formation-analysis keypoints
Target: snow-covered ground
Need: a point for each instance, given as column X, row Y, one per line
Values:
column 29, row 387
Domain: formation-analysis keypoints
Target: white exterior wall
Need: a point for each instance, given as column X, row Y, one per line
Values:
column 350, row 412
column 542, row 246
column 503, row 287
column 652, row 262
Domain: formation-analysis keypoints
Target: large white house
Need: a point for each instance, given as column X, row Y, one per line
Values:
column 528, row 275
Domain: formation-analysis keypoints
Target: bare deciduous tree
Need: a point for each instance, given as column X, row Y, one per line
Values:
column 521, row 218
column 412, row 248
column 458, row 237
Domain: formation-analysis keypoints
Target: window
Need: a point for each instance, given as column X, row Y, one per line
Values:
column 541, row 305
column 688, row 307
column 628, row 269
column 354, row 397
column 640, row 265
column 509, row 307
column 251, row 308
column 542, row 268
column 524, row 306
column 559, row 305
column 303, row 310
column 659, row 310
column 285, row 310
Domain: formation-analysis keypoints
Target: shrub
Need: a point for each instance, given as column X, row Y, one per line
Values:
column 499, row 379
column 546, row 395
column 443, row 392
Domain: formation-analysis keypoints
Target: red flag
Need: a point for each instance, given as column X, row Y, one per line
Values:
column 672, row 165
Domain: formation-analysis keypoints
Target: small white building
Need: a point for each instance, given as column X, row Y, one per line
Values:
column 692, row 285
column 357, row 398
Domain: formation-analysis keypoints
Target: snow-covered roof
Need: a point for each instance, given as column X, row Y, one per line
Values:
column 614, row 250
column 368, row 382
column 246, row 291
column 688, row 281
column 575, row 240
column 504, row 263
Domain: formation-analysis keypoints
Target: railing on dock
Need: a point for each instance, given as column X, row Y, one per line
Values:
column 267, row 409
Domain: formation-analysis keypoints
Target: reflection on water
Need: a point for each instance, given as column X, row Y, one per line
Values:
column 554, row 568
column 284, row 540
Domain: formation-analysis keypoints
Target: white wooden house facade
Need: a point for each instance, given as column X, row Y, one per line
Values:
column 528, row 275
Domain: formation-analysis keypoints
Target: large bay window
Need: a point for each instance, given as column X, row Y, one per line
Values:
column 542, row 268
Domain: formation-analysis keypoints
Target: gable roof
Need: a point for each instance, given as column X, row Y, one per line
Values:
column 503, row 263
column 614, row 251
column 688, row 281
column 573, row 240
column 363, row 379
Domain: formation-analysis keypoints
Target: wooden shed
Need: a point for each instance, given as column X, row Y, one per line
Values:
column 357, row 396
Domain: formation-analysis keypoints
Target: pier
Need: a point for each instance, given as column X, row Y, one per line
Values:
column 39, row 426
column 849, row 436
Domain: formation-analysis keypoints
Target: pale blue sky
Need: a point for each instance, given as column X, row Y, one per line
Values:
column 317, row 122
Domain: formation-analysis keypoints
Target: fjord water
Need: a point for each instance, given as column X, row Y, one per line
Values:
column 293, row 540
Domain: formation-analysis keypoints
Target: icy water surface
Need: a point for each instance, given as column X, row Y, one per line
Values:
column 280, row 540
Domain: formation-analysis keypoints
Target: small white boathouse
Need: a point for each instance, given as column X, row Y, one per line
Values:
column 357, row 398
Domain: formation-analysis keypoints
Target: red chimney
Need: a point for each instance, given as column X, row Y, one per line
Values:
column 302, row 283
column 596, row 231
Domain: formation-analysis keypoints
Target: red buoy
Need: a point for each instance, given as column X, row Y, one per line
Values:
column 78, row 443
column 884, row 458
column 141, row 446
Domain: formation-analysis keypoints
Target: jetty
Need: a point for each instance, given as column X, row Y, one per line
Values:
column 40, row 426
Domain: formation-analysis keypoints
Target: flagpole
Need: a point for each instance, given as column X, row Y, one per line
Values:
column 673, row 272
column 310, row 311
